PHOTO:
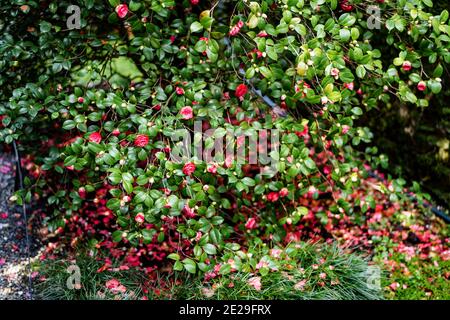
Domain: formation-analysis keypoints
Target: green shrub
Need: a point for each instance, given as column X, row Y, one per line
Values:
column 96, row 109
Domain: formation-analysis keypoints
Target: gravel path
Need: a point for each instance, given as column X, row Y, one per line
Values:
column 13, row 246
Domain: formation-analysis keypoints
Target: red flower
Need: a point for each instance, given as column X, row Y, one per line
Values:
column 421, row 86
column 251, row 223
column 236, row 28
column 406, row 66
column 272, row 196
column 212, row 169
column 179, row 90
column 95, row 137
column 139, row 218
column 82, row 192
column 115, row 132
column 141, row 140
column 187, row 113
column 188, row 212
column 195, row 2
column 262, row 34
column 345, row 6
column 349, row 86
column 345, row 129
column 284, row 192
column 172, row 39
column 80, row 99
column 241, row 90
column 122, row 10
column 189, row 168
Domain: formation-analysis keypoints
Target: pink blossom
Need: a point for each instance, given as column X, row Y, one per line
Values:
column 187, row 113
column 251, row 223
column 255, row 282
column 139, row 218
column 122, row 10
column 179, row 90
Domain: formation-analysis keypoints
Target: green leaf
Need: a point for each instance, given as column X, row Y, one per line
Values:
column 190, row 265
column 344, row 34
column 360, row 71
column 210, row 249
column 225, row 269
column 357, row 111
column 215, row 236
column 117, row 235
column 196, row 27
column 114, row 3
column 174, row 256
column 178, row 266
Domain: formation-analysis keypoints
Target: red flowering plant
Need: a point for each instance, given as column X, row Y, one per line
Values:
column 100, row 105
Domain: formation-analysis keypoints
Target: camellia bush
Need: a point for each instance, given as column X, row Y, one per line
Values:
column 95, row 107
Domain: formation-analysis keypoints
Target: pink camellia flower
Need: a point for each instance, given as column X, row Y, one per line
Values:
column 122, row 10
column 324, row 100
column 172, row 39
column 3, row 215
column 187, row 113
column 212, row 169
column 189, row 168
column 322, row 275
column 251, row 223
column 421, row 86
column 179, row 90
column 141, row 140
column 241, row 90
column 349, row 86
column 334, row 72
column 82, row 192
column 236, row 28
column 2, row 261
column 406, row 66
column 345, row 129
column 195, row 2
column 255, row 282
column 359, row 91
column 126, row 199
column 115, row 132
column 188, row 212
column 139, row 218
column 284, row 192
column 262, row 34
column 272, row 196
column 95, row 137
column 80, row 99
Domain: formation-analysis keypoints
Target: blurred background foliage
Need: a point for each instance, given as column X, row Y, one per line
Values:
column 417, row 140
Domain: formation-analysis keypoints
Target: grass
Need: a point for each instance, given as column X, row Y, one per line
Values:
column 418, row 280
column 55, row 272
column 349, row 275
column 298, row 278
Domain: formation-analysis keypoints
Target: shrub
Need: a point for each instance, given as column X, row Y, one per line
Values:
column 108, row 99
